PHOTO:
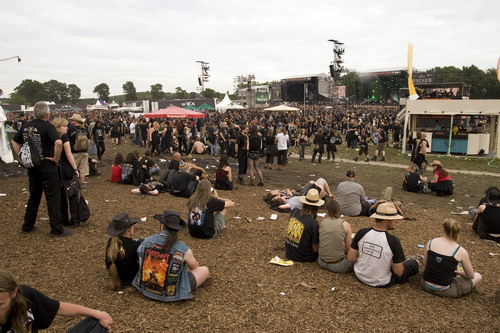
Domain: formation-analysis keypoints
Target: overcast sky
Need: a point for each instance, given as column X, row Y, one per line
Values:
column 159, row 41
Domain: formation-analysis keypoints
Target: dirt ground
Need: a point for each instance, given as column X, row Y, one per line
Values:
column 245, row 295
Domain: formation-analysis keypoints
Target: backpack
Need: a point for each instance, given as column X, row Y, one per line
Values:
column 82, row 142
column 29, row 156
column 126, row 173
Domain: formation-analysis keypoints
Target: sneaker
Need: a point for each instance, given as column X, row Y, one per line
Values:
column 260, row 184
column 63, row 234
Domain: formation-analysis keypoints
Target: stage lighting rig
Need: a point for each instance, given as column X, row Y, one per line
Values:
column 204, row 74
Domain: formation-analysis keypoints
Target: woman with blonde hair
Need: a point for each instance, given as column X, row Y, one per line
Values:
column 443, row 276
column 68, row 177
column 207, row 211
column 121, row 251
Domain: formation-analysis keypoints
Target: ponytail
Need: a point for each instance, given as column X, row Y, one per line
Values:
column 451, row 228
column 115, row 251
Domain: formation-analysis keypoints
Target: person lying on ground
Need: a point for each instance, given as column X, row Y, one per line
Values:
column 168, row 269
column 442, row 274
column 335, row 237
column 207, row 211
column 388, row 266
column 121, row 250
column 151, row 188
column 25, row 309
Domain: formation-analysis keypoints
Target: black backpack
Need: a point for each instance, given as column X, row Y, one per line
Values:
column 29, row 156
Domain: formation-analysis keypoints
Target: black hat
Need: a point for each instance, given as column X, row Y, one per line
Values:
column 494, row 198
column 120, row 223
column 350, row 174
column 171, row 219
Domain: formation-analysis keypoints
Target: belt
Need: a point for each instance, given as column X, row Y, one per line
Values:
column 332, row 261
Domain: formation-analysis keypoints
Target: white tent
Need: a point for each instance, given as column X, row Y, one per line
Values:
column 284, row 108
column 227, row 104
column 452, row 108
column 5, row 152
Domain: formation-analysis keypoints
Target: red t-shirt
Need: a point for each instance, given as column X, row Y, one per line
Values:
column 441, row 177
column 116, row 173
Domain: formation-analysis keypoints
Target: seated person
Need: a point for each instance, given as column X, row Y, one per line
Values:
column 335, row 237
column 302, row 240
column 414, row 182
column 151, row 188
column 441, row 183
column 198, row 147
column 116, row 169
column 484, row 200
column 223, row 175
column 378, row 256
column 25, row 309
column 207, row 211
column 442, row 276
column 487, row 222
column 194, row 169
column 183, row 183
column 351, row 197
column 168, row 269
column 150, row 164
column 121, row 250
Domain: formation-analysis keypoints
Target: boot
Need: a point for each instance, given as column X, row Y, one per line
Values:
column 240, row 180
column 367, row 160
column 355, row 159
column 383, row 158
column 374, row 158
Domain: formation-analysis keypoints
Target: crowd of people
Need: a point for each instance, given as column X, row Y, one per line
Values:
column 163, row 268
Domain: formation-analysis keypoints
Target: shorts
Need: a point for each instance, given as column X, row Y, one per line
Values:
column 219, row 222
column 82, row 163
column 192, row 280
column 460, row 286
column 381, row 146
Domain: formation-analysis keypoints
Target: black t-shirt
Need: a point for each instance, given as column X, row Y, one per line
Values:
column 302, row 232
column 411, row 182
column 41, row 310
column 201, row 222
column 98, row 134
column 127, row 261
column 241, row 141
column 66, row 168
column 44, row 137
column 181, row 180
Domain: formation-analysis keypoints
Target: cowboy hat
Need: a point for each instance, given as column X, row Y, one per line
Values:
column 120, row 223
column 436, row 162
column 494, row 198
column 171, row 219
column 77, row 117
column 312, row 198
column 386, row 211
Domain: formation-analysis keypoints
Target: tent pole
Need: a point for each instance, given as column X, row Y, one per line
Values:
column 405, row 128
column 449, row 138
column 497, row 152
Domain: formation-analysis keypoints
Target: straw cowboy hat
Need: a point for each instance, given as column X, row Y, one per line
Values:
column 77, row 117
column 386, row 211
column 436, row 162
column 312, row 198
column 120, row 223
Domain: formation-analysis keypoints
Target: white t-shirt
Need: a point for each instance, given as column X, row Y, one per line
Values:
column 282, row 141
column 132, row 128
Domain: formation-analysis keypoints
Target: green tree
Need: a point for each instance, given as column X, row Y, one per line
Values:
column 209, row 93
column 192, row 95
column 31, row 91
column 491, row 84
column 180, row 93
column 74, row 93
column 349, row 80
column 102, row 91
column 130, row 91
column 17, row 99
column 157, row 91
column 57, row 92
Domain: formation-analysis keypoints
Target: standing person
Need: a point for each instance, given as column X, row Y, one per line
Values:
column 335, row 237
column 168, row 269
column 419, row 152
column 79, row 140
column 241, row 153
column 25, row 309
column 282, row 141
column 331, row 145
column 20, row 121
column 98, row 137
column 43, row 178
column 363, row 146
column 143, row 127
column 67, row 171
column 131, row 129
column 121, row 260
column 207, row 211
column 270, row 148
column 378, row 256
column 442, row 276
column 302, row 240
column 254, row 149
column 224, row 138
column 181, row 137
column 303, row 141
column 319, row 145
column 382, row 141
column 441, row 183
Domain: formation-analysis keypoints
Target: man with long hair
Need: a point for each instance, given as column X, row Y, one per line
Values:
column 24, row 309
